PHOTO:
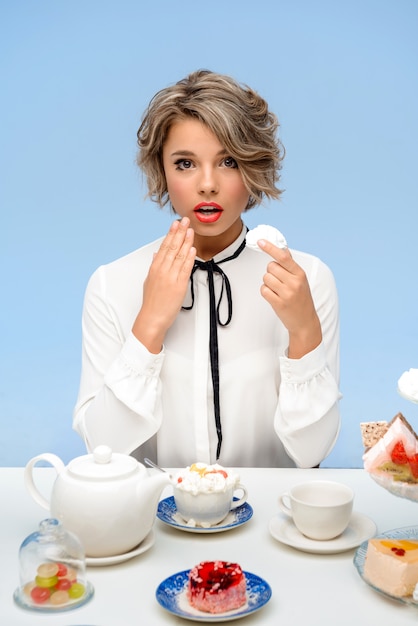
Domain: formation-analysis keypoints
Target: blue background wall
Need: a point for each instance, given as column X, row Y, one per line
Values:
column 75, row 79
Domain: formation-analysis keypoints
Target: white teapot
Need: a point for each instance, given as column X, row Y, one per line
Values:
column 109, row 500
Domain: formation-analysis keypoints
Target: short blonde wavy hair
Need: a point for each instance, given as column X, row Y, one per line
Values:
column 235, row 113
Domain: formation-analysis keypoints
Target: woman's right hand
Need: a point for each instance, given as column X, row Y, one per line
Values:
column 166, row 285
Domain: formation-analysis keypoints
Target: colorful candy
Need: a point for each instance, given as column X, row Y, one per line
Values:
column 71, row 574
column 46, row 582
column 63, row 584
column 59, row 597
column 62, row 570
column 54, row 583
column 47, row 570
column 40, row 594
column 76, row 590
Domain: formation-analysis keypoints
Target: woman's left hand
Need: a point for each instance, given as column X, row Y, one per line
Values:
column 286, row 289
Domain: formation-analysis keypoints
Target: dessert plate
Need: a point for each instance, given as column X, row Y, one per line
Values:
column 408, row 532
column 120, row 558
column 167, row 513
column 359, row 529
column 171, row 595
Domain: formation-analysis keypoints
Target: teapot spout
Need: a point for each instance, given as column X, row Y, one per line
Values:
column 149, row 491
column 155, row 485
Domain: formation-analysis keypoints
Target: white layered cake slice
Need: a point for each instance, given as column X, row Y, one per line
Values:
column 391, row 449
column 392, row 565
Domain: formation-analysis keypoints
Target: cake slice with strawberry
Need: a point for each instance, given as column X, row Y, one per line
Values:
column 394, row 453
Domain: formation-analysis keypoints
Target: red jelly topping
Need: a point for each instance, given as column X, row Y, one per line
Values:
column 215, row 576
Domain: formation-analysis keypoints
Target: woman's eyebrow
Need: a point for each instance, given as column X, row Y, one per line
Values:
column 191, row 153
column 183, row 153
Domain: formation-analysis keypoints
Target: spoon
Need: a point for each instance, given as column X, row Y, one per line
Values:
column 152, row 464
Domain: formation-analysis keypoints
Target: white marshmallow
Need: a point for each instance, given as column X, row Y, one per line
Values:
column 408, row 385
column 269, row 233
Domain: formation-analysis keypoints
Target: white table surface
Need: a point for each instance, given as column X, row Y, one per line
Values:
column 307, row 589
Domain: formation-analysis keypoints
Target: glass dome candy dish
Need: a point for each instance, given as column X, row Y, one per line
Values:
column 52, row 568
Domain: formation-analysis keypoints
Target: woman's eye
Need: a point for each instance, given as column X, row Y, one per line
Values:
column 183, row 164
column 230, row 162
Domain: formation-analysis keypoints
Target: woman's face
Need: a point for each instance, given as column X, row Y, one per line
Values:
column 204, row 183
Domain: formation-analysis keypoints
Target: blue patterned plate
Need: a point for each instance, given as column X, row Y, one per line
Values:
column 171, row 595
column 408, row 532
column 167, row 513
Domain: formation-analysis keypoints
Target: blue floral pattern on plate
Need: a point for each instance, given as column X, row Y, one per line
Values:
column 408, row 532
column 167, row 513
column 171, row 595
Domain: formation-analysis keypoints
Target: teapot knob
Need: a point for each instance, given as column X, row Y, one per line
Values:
column 102, row 454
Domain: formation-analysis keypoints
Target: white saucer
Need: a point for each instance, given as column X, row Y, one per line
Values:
column 359, row 529
column 167, row 513
column 100, row 561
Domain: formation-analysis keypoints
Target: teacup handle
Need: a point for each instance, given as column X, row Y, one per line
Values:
column 284, row 503
column 236, row 503
column 56, row 463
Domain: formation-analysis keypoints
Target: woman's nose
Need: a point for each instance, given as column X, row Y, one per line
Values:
column 208, row 182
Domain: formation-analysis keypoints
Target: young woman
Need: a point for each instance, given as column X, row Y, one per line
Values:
column 196, row 347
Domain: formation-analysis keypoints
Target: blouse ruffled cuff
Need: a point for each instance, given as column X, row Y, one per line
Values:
column 135, row 356
column 134, row 377
column 305, row 368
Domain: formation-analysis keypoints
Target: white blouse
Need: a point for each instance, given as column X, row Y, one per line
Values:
column 275, row 411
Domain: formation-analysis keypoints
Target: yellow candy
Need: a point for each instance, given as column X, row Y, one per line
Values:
column 47, row 570
column 76, row 591
column 59, row 597
column 46, row 582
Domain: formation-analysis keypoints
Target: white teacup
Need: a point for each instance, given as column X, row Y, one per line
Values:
column 207, row 509
column 320, row 509
column 204, row 494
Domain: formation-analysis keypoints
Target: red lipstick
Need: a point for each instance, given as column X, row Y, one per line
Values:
column 208, row 212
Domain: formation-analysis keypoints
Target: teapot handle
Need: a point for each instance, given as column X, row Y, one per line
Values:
column 56, row 463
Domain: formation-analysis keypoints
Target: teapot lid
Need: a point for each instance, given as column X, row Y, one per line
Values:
column 103, row 464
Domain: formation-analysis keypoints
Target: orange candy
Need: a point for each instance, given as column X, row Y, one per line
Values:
column 59, row 597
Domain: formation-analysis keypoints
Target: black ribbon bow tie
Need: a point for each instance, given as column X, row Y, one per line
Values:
column 213, row 268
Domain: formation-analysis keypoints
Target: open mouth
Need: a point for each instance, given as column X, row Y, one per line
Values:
column 207, row 212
